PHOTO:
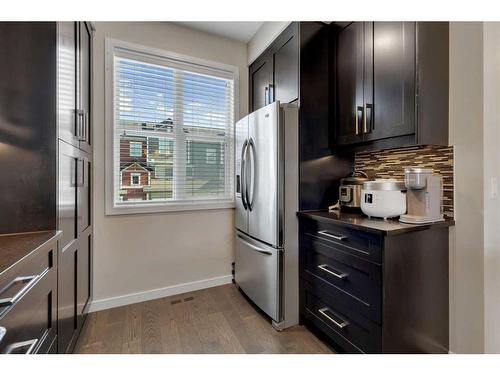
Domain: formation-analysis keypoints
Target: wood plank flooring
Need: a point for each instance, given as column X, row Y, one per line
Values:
column 216, row 320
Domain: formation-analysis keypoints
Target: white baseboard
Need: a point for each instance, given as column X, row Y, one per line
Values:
column 108, row 303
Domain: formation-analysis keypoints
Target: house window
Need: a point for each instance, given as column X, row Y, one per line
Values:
column 211, row 156
column 135, row 149
column 135, row 179
column 184, row 109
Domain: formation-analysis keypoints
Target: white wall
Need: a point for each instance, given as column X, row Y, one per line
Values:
column 466, row 238
column 263, row 38
column 491, row 154
column 139, row 253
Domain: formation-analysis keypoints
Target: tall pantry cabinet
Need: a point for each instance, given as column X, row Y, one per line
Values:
column 74, row 123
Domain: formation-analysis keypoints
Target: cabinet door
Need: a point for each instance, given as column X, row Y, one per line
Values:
column 83, row 278
column 393, row 108
column 350, row 65
column 66, row 82
column 261, row 79
column 84, row 200
column 67, row 296
column 67, row 186
column 84, row 63
column 286, row 67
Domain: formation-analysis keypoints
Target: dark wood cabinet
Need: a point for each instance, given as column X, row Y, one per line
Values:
column 364, row 289
column 28, row 294
column 75, row 173
column 381, row 86
column 45, row 124
column 84, row 38
column 285, row 88
column 74, row 83
column 261, row 82
column 275, row 73
column 392, row 110
column 350, row 83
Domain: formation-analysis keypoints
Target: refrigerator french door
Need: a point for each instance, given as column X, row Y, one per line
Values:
column 260, row 259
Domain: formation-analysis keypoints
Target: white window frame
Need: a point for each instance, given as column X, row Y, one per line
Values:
column 112, row 156
column 130, row 149
column 136, row 174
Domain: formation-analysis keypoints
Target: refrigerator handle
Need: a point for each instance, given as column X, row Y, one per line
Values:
column 243, row 174
column 250, row 197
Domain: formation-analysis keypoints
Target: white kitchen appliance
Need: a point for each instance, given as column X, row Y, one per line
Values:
column 424, row 197
column 266, row 254
column 383, row 198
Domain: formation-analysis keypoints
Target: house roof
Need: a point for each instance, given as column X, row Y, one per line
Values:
column 136, row 164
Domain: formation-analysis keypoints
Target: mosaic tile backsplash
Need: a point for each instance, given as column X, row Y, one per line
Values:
column 391, row 164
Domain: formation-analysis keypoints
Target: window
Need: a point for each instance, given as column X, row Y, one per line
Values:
column 175, row 116
column 135, row 149
column 135, row 179
column 211, row 155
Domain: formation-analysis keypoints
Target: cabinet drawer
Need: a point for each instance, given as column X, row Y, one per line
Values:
column 349, row 330
column 28, row 303
column 359, row 243
column 29, row 324
column 354, row 281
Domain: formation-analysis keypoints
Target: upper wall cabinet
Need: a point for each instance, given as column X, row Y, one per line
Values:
column 275, row 74
column 384, row 77
column 74, row 64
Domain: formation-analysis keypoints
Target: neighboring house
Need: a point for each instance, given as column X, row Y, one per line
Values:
column 133, row 149
column 134, row 177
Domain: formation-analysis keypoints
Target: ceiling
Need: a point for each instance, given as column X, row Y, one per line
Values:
column 240, row 31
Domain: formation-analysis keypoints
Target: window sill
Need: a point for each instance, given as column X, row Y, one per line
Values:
column 149, row 208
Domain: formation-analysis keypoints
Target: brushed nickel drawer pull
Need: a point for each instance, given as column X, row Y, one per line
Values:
column 28, row 280
column 338, row 237
column 30, row 344
column 333, row 271
column 3, row 331
column 327, row 313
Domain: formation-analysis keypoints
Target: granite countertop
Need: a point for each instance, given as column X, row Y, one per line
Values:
column 15, row 247
column 354, row 220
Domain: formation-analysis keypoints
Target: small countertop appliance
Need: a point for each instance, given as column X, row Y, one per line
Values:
column 383, row 198
column 350, row 190
column 424, row 196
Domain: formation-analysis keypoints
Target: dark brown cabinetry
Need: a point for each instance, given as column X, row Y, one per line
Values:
column 75, row 171
column 365, row 290
column 28, row 294
column 45, row 125
column 381, row 74
column 274, row 75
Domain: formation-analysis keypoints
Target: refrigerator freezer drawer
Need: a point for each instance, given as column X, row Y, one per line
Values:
column 257, row 273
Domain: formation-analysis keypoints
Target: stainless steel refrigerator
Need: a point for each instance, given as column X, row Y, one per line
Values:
column 266, row 259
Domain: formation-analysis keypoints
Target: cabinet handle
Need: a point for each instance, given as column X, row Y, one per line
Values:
column 358, row 108
column 338, row 237
column 333, row 271
column 266, row 96
column 80, row 114
column 327, row 313
column 365, row 115
column 28, row 280
column 86, row 126
column 3, row 331
column 29, row 345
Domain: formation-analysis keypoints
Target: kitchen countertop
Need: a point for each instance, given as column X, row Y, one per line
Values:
column 355, row 220
column 15, row 247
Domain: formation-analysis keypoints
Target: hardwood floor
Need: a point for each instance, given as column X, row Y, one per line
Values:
column 214, row 320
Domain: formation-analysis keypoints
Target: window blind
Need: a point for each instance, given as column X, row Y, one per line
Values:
column 173, row 131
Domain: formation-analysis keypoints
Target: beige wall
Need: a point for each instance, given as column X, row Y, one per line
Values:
column 466, row 238
column 140, row 253
column 491, row 137
column 263, row 37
